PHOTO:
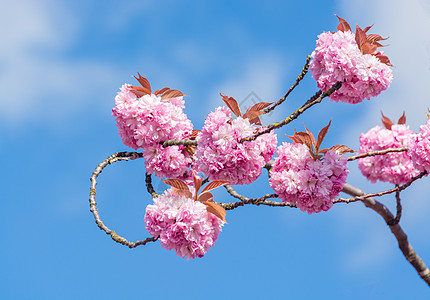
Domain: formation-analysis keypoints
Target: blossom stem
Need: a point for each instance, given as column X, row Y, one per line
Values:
column 375, row 153
column 401, row 237
column 253, row 201
column 317, row 98
column 179, row 142
column 298, row 79
column 119, row 156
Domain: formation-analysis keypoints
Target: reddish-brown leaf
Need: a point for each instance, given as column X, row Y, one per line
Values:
column 191, row 150
column 311, row 136
column 184, row 193
column 162, row 91
column 386, row 122
column 232, row 104
column 171, row 94
column 321, row 135
column 206, row 197
column 214, row 184
column 367, row 28
column 144, row 82
column 140, row 91
column 375, row 38
column 194, row 134
column 402, row 119
column 253, row 116
column 323, row 151
column 342, row 149
column 384, row 59
column 360, row 37
column 343, row 25
column 197, row 183
column 177, row 184
column 216, row 209
column 260, row 106
column 368, row 48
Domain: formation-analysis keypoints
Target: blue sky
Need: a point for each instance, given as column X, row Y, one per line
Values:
column 61, row 65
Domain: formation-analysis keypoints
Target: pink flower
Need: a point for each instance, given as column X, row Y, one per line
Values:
column 310, row 184
column 145, row 122
column 221, row 156
column 182, row 224
column 338, row 58
column 396, row 168
column 419, row 148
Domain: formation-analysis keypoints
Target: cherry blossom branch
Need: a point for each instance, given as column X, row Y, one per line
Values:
column 149, row 187
column 398, row 188
column 395, row 228
column 299, row 78
column 317, row 98
column 254, row 201
column 375, row 153
column 119, row 156
column 398, row 209
column 179, row 142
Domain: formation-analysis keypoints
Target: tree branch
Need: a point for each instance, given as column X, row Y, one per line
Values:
column 119, row 156
column 375, row 153
column 299, row 78
column 317, row 98
column 395, row 228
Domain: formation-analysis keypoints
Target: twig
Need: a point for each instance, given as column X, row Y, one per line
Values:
column 149, row 187
column 177, row 143
column 398, row 209
column 317, row 98
column 299, row 78
column 395, row 228
column 375, row 153
column 119, row 156
column 398, row 188
column 253, row 201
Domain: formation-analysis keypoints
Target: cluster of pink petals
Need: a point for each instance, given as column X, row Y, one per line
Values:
column 338, row 58
column 419, row 148
column 396, row 168
column 310, row 184
column 221, row 156
column 182, row 224
column 145, row 122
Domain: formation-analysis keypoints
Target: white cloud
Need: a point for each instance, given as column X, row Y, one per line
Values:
column 37, row 83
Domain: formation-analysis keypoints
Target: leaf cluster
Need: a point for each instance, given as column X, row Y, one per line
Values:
column 368, row 44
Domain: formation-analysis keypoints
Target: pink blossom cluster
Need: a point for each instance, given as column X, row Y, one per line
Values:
column 221, row 156
column 396, row 168
column 145, row 122
column 182, row 224
column 310, row 184
column 338, row 58
column 419, row 148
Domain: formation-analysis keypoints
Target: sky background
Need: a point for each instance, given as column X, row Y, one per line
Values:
column 61, row 65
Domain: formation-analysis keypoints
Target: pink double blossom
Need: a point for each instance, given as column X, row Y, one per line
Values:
column 182, row 224
column 310, row 184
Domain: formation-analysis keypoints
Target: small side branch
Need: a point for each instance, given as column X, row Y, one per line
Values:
column 364, row 196
column 179, row 142
column 149, row 187
column 299, row 78
column 317, row 98
column 375, row 153
column 253, row 201
column 395, row 228
column 119, row 156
